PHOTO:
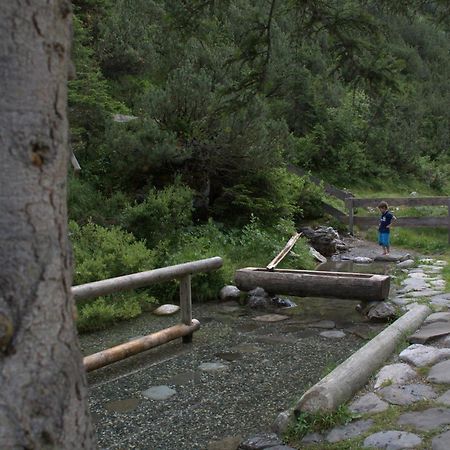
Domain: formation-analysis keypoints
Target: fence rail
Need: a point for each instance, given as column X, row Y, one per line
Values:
column 351, row 202
column 184, row 330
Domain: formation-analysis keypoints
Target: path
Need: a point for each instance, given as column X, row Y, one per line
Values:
column 407, row 403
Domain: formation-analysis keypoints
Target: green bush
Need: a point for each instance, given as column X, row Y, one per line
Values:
column 104, row 253
column 161, row 215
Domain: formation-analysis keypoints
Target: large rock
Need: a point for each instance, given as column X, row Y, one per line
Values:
column 323, row 239
column 166, row 310
column 229, row 292
column 259, row 298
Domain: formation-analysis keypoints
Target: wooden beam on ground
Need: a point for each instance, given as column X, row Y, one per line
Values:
column 287, row 248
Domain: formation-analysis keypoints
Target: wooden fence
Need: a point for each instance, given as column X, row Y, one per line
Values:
column 351, row 202
column 188, row 325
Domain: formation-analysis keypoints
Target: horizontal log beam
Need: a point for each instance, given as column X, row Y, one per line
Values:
column 142, row 279
column 404, row 221
column 402, row 201
column 122, row 351
column 303, row 283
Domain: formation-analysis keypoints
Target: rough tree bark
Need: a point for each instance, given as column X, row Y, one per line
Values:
column 43, row 401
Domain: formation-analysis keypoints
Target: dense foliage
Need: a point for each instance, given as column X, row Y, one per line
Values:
column 217, row 97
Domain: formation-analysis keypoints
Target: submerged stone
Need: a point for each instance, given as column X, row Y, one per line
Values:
column 122, row 406
column 159, row 392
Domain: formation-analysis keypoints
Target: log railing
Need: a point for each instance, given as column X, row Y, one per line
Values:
column 184, row 330
column 433, row 221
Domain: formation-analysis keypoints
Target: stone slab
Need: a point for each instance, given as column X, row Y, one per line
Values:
column 424, row 355
column 395, row 374
column 213, row 367
column 441, row 442
column 349, row 431
column 392, row 440
column 438, row 317
column 159, row 392
column 427, row 420
column 368, row 404
column 444, row 398
column 166, row 310
column 407, row 394
column 430, row 331
column 332, row 334
column 440, row 373
column 271, row 318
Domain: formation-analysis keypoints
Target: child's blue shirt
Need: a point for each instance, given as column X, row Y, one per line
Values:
column 385, row 220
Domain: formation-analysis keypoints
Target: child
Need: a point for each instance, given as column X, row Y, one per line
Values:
column 386, row 220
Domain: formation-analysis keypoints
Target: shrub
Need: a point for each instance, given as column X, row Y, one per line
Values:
column 104, row 253
column 161, row 215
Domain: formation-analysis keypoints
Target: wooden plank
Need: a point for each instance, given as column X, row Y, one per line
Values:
column 287, row 248
column 186, row 300
column 404, row 221
column 349, row 202
column 448, row 217
column 334, row 212
column 402, row 201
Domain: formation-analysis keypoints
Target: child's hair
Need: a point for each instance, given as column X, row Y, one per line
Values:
column 383, row 205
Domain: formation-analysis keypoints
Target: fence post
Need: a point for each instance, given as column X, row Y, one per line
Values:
column 186, row 304
column 349, row 204
column 448, row 220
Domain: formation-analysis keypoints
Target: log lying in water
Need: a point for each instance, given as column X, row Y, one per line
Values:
column 308, row 283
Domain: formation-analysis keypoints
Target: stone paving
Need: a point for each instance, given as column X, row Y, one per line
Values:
column 407, row 404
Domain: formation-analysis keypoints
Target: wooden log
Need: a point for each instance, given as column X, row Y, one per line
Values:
column 143, row 279
column 287, row 248
column 304, row 283
column 402, row 201
column 404, row 221
column 122, row 351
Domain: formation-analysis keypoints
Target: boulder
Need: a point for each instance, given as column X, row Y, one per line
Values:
column 229, row 292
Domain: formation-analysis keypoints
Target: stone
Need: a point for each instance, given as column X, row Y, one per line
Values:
column 407, row 394
column 406, row 264
column 423, row 355
column 260, row 442
column 166, row 310
column 246, row 348
column 259, row 298
column 430, row 331
column 362, row 260
column 444, row 398
column 440, row 373
column 413, row 284
column 281, row 302
column 382, row 311
column 229, row 292
column 440, row 299
column 328, row 324
column 322, row 239
column 313, row 438
column 184, row 378
column 213, row 367
column 159, row 393
column 316, row 255
column 271, row 318
column 392, row 440
column 395, row 374
column 441, row 441
column 227, row 443
column 438, row 317
column 426, row 420
column 349, row 431
column 332, row 334
column 368, row 404
column 387, row 258
column 422, row 294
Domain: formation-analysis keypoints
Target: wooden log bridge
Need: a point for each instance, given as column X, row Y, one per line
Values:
column 308, row 283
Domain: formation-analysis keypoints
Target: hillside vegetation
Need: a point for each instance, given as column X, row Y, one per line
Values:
column 216, row 98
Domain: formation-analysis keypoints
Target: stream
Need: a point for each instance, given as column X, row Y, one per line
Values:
column 231, row 382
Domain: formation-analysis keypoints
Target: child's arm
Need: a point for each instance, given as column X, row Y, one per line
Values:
column 392, row 221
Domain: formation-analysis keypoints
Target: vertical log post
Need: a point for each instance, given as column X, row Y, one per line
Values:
column 448, row 220
column 186, row 305
column 349, row 204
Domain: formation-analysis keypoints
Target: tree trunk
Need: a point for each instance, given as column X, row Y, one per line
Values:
column 43, row 395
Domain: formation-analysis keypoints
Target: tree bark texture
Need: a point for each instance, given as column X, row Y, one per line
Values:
column 43, row 395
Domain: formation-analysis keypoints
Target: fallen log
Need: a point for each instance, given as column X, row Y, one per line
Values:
column 308, row 283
